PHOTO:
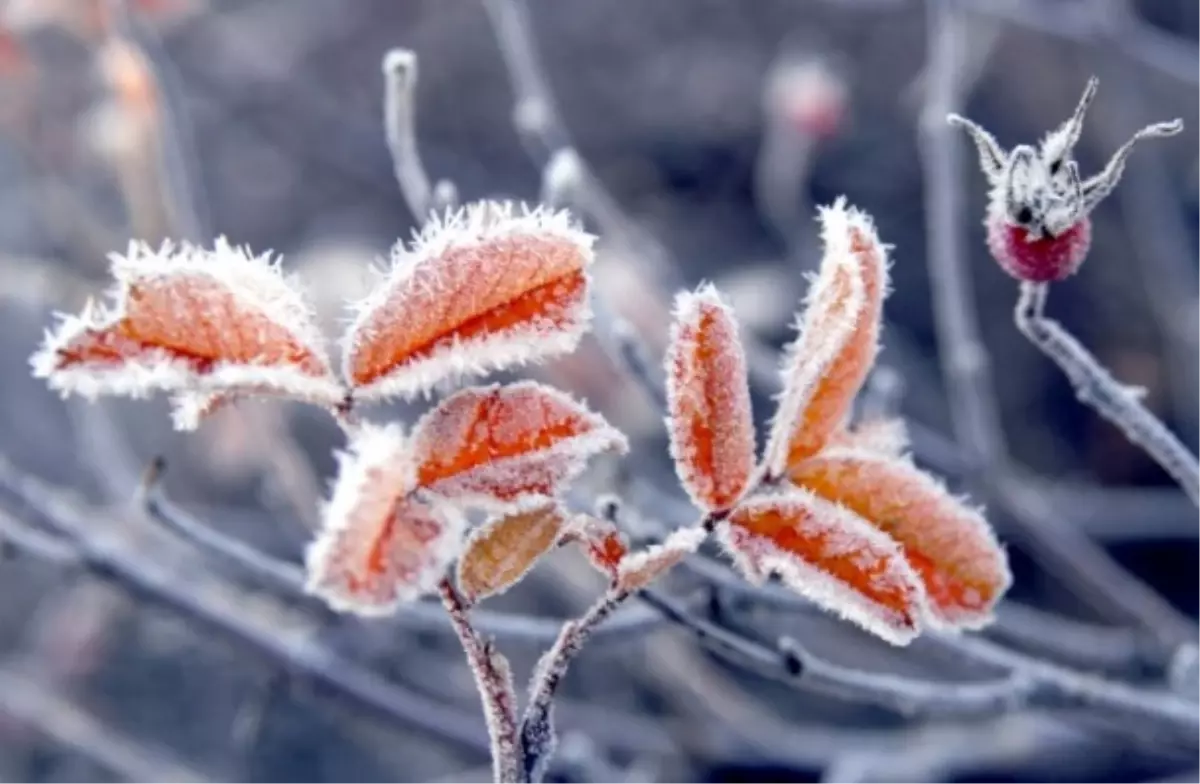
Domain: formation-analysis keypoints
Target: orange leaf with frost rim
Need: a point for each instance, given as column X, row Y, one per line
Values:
column 838, row 340
column 638, row 570
column 379, row 545
column 210, row 323
column 481, row 289
column 502, row 550
column 832, row 556
column 708, row 398
column 950, row 545
column 494, row 446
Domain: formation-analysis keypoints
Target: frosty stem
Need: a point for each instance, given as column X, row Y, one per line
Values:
column 493, row 679
column 537, row 724
column 1096, row 388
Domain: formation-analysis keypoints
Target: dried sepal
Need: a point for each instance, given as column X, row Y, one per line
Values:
column 838, row 341
column 189, row 320
column 379, row 545
column 498, row 553
column 830, row 555
column 710, row 422
column 494, row 446
column 949, row 544
column 640, row 569
column 481, row 289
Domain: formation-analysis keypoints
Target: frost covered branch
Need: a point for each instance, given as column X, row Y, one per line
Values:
column 1096, row 388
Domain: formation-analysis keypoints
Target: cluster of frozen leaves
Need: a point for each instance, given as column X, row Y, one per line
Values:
column 836, row 510
column 481, row 289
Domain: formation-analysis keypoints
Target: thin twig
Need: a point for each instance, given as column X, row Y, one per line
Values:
column 399, row 122
column 537, row 723
column 1096, row 388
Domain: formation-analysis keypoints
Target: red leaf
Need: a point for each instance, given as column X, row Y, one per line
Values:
column 379, row 546
column 482, row 289
column 496, row 445
column 216, row 323
column 499, row 553
column 602, row 543
column 708, row 396
column 830, row 555
column 838, row 341
column 949, row 544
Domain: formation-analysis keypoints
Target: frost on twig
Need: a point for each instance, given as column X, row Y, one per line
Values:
column 1096, row 388
column 485, row 288
column 399, row 122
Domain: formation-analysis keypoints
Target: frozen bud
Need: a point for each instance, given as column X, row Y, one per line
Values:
column 1038, row 217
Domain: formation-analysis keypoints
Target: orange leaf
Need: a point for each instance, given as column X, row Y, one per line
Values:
column 830, row 555
column 499, row 553
column 493, row 446
column 838, row 341
column 379, row 546
column 481, row 289
column 950, row 545
column 708, row 396
column 639, row 570
column 212, row 323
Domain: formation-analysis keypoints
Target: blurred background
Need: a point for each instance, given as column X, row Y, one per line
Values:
column 712, row 129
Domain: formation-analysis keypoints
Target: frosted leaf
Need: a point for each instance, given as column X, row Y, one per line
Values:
column 602, row 543
column 481, row 289
column 708, row 398
column 208, row 323
column 948, row 543
column 493, row 446
column 832, row 556
column 379, row 546
column 838, row 340
column 638, row 570
column 499, row 553
column 884, row 436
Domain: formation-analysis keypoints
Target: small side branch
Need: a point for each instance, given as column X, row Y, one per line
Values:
column 537, row 724
column 1096, row 388
column 493, row 679
column 399, row 120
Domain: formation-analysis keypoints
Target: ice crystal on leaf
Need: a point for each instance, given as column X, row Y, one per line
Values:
column 638, row 570
column 499, row 553
column 838, row 340
column 481, row 289
column 838, row 511
column 208, row 324
column 948, row 543
column 708, row 399
column 830, row 555
column 493, row 446
column 379, row 544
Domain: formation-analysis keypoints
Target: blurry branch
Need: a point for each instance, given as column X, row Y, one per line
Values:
column 1025, row 682
column 16, row 538
column 286, row 580
column 289, row 647
column 1060, row 548
column 28, row 702
column 1098, row 390
column 1120, row 651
